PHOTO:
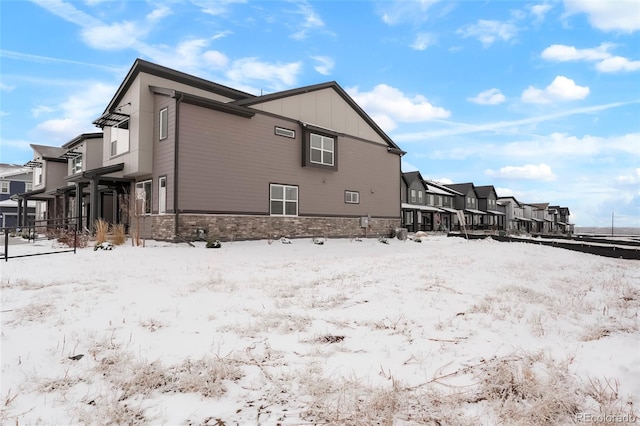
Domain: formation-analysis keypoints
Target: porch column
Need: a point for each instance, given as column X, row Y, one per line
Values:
column 114, row 206
column 78, row 214
column 65, row 208
column 93, row 210
column 19, row 218
column 25, row 210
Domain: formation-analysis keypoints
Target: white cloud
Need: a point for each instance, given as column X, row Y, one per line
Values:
column 423, row 41
column 42, row 109
column 78, row 111
column 117, row 36
column 3, row 113
column 488, row 32
column 605, row 61
column 6, row 87
column 443, row 181
column 279, row 76
column 527, row 172
column 407, row 166
column 632, row 178
column 218, row 7
column 159, row 13
column 608, row 15
column 560, row 90
column 505, row 192
column 562, row 53
column 488, row 97
column 540, row 10
column 562, row 145
column 387, row 105
column 310, row 21
column 616, row 64
column 17, row 143
column 325, row 64
column 399, row 12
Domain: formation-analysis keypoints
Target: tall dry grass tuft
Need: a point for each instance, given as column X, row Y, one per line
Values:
column 119, row 236
column 102, row 228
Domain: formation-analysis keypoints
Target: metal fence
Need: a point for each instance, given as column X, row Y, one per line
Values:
column 66, row 231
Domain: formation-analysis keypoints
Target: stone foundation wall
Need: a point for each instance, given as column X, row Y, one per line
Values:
column 237, row 227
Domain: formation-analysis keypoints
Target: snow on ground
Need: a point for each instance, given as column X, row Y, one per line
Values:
column 446, row 331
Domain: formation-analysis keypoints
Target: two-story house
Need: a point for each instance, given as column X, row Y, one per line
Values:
column 417, row 213
column 200, row 157
column 49, row 168
column 488, row 203
column 443, row 198
column 514, row 211
column 468, row 203
column 542, row 216
column 560, row 217
column 14, row 179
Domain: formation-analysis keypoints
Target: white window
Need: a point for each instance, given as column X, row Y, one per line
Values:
column 322, row 149
column 37, row 175
column 4, row 187
column 439, row 200
column 430, row 199
column 164, row 123
column 287, row 133
column 408, row 217
column 28, row 186
column 119, row 138
column 143, row 198
column 420, row 197
column 76, row 164
column 162, row 195
column 283, row 200
column 352, row 197
column 413, row 195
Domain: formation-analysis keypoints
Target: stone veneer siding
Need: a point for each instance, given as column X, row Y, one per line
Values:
column 239, row 227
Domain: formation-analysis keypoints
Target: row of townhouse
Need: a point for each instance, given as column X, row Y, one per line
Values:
column 179, row 156
column 430, row 206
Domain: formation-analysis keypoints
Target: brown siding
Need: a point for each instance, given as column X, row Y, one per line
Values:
column 163, row 150
column 227, row 162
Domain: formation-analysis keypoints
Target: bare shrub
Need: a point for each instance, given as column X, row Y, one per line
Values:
column 607, row 397
column 33, row 312
column 102, row 228
column 70, row 238
column 119, row 236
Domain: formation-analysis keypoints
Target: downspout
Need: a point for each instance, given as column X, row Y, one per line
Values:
column 175, row 165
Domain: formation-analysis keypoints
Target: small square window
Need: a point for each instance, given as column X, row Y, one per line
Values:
column 283, row 200
column 352, row 197
column 4, row 187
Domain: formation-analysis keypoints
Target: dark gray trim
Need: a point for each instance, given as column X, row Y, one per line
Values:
column 142, row 66
column 176, row 152
column 307, row 131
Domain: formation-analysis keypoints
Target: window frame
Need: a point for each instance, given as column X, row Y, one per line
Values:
column 148, row 204
column 349, row 199
column 163, row 123
column 74, row 164
column 114, row 136
column 284, row 132
column 162, row 195
column 5, row 184
column 413, row 196
column 284, row 199
column 307, row 135
column 420, row 197
column 28, row 186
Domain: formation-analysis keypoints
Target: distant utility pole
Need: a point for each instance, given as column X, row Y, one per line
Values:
column 612, row 224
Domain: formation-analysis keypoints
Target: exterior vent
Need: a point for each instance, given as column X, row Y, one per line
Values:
column 287, row 133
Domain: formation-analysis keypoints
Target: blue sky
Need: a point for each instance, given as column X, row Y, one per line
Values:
column 540, row 99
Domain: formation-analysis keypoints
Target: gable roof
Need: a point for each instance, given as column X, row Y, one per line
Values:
column 438, row 188
column 462, row 188
column 510, row 198
column 410, row 177
column 141, row 65
column 486, row 190
column 322, row 86
column 540, row 206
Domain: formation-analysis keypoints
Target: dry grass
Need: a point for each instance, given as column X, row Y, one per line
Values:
column 118, row 236
column 102, row 229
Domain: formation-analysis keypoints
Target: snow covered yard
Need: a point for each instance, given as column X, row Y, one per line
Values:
column 445, row 332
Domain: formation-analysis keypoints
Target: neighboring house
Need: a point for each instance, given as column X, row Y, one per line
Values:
column 561, row 221
column 442, row 198
column 468, row 203
column 14, row 179
column 198, row 157
column 544, row 218
column 514, row 214
column 417, row 213
column 49, row 168
column 488, row 203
